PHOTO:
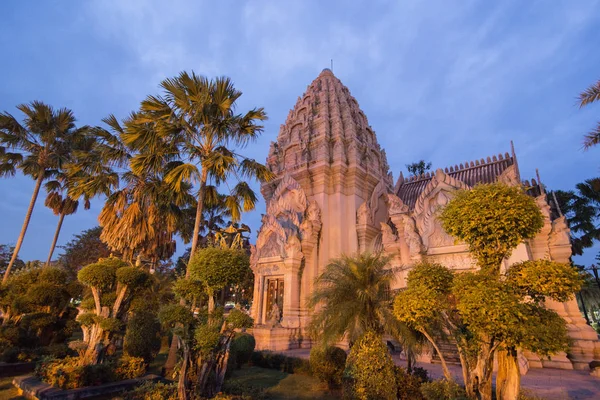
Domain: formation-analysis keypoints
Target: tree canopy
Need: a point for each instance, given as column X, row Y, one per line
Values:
column 492, row 219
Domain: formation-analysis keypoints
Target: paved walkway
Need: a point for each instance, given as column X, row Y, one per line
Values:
column 550, row 384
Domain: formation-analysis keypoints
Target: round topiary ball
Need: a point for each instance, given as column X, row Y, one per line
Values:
column 243, row 346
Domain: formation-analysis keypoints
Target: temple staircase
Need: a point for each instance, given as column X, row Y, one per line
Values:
column 449, row 350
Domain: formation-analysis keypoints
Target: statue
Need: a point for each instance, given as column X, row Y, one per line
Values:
column 413, row 240
column 274, row 315
column 387, row 235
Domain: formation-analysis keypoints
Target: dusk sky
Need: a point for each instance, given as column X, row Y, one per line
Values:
column 443, row 81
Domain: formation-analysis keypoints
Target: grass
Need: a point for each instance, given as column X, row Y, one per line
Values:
column 280, row 385
column 7, row 390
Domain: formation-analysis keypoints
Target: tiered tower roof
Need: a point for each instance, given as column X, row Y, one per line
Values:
column 326, row 127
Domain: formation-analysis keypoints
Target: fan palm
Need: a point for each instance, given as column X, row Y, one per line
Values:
column 142, row 217
column 87, row 174
column 60, row 206
column 39, row 147
column 200, row 116
column 352, row 297
column 591, row 95
column 581, row 208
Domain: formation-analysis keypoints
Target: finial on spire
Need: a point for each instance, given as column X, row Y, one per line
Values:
column 332, row 65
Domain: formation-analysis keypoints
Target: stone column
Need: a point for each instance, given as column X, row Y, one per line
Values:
column 291, row 293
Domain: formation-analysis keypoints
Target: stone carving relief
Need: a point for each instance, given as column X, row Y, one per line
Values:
column 363, row 214
column 289, row 222
column 456, row 261
column 435, row 196
column 411, row 236
column 387, row 235
column 396, row 205
column 560, row 233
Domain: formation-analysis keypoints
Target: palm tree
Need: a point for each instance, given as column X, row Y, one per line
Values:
column 141, row 218
column 591, row 95
column 39, row 148
column 61, row 206
column 352, row 297
column 581, row 208
column 199, row 115
column 87, row 174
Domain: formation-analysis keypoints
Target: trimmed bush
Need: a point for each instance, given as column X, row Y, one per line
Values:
column 369, row 370
column 290, row 365
column 327, row 365
column 443, row 390
column 142, row 336
column 153, row 391
column 242, row 348
column 68, row 373
column 409, row 383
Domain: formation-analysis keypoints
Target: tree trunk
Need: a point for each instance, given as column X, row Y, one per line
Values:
column 172, row 357
column 480, row 377
column 447, row 373
column 508, row 380
column 211, row 304
column 60, row 222
column 95, row 349
column 182, row 382
column 34, row 196
column 198, row 220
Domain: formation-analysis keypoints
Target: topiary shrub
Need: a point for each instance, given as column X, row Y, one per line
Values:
column 327, row 365
column 242, row 348
column 290, row 365
column 142, row 336
column 409, row 384
column 129, row 367
column 153, row 391
column 443, row 390
column 369, row 370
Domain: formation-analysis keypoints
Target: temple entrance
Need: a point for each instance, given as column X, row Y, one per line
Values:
column 274, row 294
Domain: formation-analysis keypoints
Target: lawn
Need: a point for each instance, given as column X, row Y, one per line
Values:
column 280, row 385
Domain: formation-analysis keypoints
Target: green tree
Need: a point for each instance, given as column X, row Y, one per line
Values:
column 426, row 305
column 589, row 96
column 217, row 268
column 61, row 206
column 581, row 207
column 85, row 248
column 351, row 297
column 488, row 316
column 140, row 219
column 370, row 369
column 418, row 168
column 492, row 219
column 88, row 173
column 6, row 253
column 35, row 303
column 199, row 117
column 39, row 147
column 113, row 284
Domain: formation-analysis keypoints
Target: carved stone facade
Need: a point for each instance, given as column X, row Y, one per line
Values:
column 333, row 195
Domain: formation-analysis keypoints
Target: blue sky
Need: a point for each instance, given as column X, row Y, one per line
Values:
column 442, row 81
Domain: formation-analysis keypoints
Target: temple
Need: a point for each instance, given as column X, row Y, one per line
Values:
column 334, row 195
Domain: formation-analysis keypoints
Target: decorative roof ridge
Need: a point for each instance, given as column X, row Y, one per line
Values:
column 461, row 167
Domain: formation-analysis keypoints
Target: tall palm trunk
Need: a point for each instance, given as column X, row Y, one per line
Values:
column 198, row 221
column 172, row 357
column 34, row 196
column 60, row 222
